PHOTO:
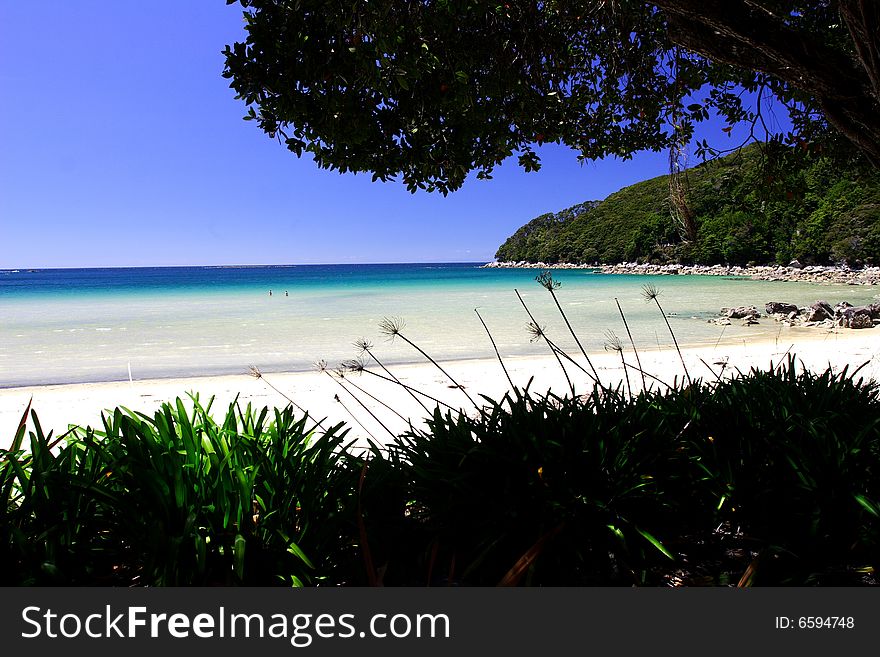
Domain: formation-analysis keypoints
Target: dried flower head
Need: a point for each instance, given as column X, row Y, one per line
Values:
column 255, row 372
column 612, row 342
column 391, row 326
column 355, row 365
column 650, row 292
column 321, row 365
column 545, row 278
column 362, row 345
column 537, row 332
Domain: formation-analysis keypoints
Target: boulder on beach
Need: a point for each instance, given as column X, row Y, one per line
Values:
column 857, row 315
column 860, row 321
column 819, row 311
column 774, row 307
column 741, row 312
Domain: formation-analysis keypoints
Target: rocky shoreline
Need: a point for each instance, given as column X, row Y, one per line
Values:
column 793, row 272
column 820, row 314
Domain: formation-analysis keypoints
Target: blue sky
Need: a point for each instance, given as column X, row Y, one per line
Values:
column 122, row 145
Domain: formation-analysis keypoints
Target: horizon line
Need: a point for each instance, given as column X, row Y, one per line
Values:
column 250, row 266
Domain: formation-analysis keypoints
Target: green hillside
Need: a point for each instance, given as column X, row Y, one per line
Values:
column 748, row 211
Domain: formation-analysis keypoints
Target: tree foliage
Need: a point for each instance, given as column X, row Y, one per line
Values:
column 811, row 210
column 431, row 91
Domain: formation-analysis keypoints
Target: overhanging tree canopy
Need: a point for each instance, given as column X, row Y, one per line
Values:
column 430, row 91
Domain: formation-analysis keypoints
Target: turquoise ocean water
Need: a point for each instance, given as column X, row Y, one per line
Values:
column 78, row 325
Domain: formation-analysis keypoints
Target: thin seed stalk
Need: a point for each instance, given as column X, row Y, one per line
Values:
column 376, row 399
column 632, row 342
column 649, row 375
column 574, row 335
column 626, row 375
column 410, row 389
column 674, row 341
column 438, row 366
column 353, row 396
column 396, row 380
column 553, row 348
column 495, row 347
column 293, row 403
column 354, row 417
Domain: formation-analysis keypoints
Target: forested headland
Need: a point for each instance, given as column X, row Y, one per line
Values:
column 750, row 207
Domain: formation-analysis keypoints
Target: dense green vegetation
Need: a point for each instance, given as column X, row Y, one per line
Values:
column 174, row 499
column 747, row 210
column 768, row 478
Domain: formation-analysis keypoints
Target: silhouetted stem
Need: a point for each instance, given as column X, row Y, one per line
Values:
column 717, row 375
column 626, row 375
column 649, row 375
column 293, row 403
column 549, row 344
column 354, row 417
column 396, row 380
column 632, row 342
column 353, row 396
column 494, row 346
column 414, row 390
column 581, row 367
column 437, row 365
column 376, row 399
column 674, row 341
column 574, row 335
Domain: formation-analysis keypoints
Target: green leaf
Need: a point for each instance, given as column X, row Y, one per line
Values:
column 657, row 544
column 179, row 490
column 294, row 549
column 238, row 550
column 868, row 505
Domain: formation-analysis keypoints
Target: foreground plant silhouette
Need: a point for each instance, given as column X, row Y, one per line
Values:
column 773, row 480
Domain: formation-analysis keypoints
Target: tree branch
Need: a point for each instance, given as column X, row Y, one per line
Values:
column 863, row 22
column 734, row 32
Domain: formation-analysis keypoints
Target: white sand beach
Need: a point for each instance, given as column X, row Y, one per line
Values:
column 58, row 406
